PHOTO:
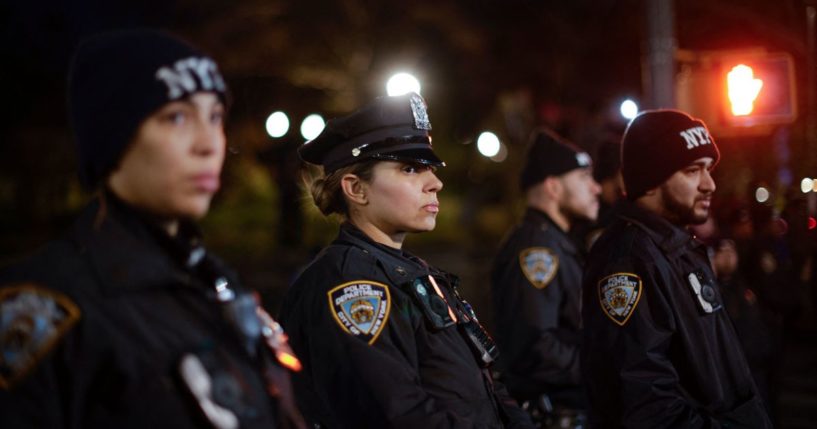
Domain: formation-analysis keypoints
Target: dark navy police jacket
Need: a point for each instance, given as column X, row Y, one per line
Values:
column 659, row 348
column 376, row 355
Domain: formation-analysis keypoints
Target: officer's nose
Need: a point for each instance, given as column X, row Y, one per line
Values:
column 433, row 184
column 595, row 187
column 707, row 184
column 209, row 138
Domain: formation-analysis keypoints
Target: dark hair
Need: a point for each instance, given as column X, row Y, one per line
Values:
column 326, row 191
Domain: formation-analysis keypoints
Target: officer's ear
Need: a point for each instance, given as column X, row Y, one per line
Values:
column 552, row 186
column 354, row 189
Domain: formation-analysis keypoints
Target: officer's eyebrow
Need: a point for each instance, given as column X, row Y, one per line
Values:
column 702, row 163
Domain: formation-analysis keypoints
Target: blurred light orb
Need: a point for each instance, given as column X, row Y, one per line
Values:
column 402, row 83
column 807, row 185
column 761, row 194
column 312, row 126
column 501, row 154
column 488, row 144
column 277, row 124
column 629, row 109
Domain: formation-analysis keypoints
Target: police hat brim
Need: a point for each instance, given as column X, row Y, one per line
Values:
column 420, row 155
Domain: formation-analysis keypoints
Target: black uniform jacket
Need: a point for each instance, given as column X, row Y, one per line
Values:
column 536, row 286
column 660, row 350
column 371, row 356
column 95, row 327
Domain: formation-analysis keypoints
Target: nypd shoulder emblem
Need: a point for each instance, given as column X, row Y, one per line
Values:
column 361, row 308
column 539, row 264
column 619, row 293
column 32, row 320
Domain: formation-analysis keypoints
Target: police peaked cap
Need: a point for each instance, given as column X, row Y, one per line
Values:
column 550, row 155
column 392, row 128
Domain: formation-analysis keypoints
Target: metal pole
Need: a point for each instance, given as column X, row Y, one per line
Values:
column 811, row 119
column 659, row 61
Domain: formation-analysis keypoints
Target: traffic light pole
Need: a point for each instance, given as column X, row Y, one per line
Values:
column 659, row 62
column 811, row 90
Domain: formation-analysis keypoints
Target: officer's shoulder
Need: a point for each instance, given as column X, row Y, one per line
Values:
column 38, row 308
column 622, row 239
column 57, row 265
column 528, row 234
column 335, row 264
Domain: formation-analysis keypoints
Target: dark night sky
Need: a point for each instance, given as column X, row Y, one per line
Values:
column 483, row 64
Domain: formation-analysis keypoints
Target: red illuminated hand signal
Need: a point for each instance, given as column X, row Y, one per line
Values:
column 743, row 89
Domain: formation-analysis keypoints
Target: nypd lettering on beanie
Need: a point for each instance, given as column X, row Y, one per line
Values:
column 190, row 75
column 657, row 143
column 696, row 136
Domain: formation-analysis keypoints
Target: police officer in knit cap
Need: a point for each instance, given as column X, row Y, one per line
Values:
column 536, row 281
column 659, row 348
column 385, row 338
column 127, row 320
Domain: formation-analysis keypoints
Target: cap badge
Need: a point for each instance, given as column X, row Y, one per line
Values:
column 418, row 109
column 583, row 159
column 356, row 151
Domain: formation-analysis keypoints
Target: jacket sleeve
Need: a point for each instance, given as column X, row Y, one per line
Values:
column 535, row 345
column 375, row 383
column 627, row 352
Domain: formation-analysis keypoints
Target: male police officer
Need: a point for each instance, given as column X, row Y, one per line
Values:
column 536, row 277
column 659, row 349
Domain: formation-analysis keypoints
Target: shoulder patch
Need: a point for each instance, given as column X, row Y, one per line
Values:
column 619, row 293
column 32, row 320
column 361, row 308
column 539, row 264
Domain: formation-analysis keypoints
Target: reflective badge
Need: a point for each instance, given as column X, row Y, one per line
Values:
column 619, row 294
column 361, row 308
column 32, row 320
column 201, row 385
column 539, row 264
column 418, row 109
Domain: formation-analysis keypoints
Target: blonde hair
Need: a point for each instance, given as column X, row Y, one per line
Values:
column 326, row 190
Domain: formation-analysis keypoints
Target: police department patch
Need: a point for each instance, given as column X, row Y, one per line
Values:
column 32, row 320
column 539, row 264
column 619, row 294
column 361, row 308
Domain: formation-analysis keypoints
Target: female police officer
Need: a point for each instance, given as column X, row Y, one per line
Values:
column 385, row 338
column 127, row 321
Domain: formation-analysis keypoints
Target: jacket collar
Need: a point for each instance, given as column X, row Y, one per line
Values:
column 669, row 237
column 126, row 250
column 398, row 265
column 536, row 216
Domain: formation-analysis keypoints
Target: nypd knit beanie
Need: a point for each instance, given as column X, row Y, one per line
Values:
column 657, row 143
column 118, row 79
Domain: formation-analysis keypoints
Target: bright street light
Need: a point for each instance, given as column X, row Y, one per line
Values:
column 762, row 194
column 629, row 109
column 807, row 185
column 402, row 83
column 312, row 126
column 488, row 144
column 277, row 124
